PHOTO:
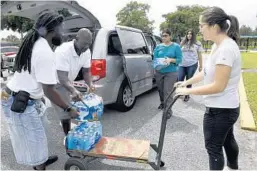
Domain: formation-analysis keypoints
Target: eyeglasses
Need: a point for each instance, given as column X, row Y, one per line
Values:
column 165, row 35
column 201, row 25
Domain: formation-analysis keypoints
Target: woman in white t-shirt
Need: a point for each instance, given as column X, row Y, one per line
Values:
column 221, row 77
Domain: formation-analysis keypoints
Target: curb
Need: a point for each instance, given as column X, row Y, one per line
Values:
column 246, row 115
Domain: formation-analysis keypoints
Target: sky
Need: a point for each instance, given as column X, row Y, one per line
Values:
column 106, row 10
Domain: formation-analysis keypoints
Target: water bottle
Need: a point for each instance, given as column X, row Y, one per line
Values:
column 99, row 130
column 73, row 140
column 93, row 127
column 85, row 110
column 68, row 140
column 96, row 132
column 86, row 142
column 80, row 141
column 100, row 110
column 91, row 138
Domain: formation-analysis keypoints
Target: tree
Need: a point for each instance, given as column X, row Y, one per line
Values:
column 134, row 14
column 12, row 38
column 255, row 31
column 65, row 12
column 245, row 30
column 16, row 23
column 184, row 18
column 21, row 24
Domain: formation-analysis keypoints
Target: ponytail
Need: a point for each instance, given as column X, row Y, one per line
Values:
column 227, row 23
column 233, row 28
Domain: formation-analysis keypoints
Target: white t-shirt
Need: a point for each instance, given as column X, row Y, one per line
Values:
column 226, row 54
column 68, row 60
column 42, row 71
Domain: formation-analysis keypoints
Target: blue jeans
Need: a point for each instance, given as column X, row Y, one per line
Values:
column 187, row 72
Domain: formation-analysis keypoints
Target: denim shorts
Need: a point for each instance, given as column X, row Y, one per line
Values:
column 27, row 132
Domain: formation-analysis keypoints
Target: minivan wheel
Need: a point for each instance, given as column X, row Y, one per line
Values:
column 125, row 101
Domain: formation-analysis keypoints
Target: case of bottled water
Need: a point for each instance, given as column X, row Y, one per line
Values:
column 91, row 109
column 159, row 63
column 84, row 136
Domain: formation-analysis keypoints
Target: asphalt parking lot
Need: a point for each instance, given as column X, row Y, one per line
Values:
column 183, row 146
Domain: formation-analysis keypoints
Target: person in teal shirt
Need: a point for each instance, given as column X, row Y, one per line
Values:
column 167, row 77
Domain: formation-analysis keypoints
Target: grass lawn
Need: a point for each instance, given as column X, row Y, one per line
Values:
column 250, row 83
column 249, row 60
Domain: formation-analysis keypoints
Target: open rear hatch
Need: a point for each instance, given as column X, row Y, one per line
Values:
column 76, row 17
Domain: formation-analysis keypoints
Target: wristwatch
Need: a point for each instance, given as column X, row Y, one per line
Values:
column 68, row 109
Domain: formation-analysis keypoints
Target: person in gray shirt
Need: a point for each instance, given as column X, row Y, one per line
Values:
column 191, row 50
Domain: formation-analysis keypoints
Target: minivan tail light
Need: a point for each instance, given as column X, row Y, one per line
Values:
column 98, row 69
column 9, row 53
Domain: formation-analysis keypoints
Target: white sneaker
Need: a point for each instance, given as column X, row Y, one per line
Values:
column 228, row 168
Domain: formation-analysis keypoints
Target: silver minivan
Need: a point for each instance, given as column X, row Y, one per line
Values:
column 121, row 60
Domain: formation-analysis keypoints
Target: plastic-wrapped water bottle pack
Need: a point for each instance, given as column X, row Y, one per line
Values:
column 89, row 131
column 84, row 136
column 159, row 63
column 91, row 109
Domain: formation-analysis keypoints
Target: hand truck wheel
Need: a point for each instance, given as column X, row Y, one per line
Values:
column 75, row 163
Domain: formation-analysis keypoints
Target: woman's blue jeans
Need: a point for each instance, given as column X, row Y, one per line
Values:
column 187, row 72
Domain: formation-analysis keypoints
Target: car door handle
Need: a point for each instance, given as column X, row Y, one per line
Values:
column 149, row 60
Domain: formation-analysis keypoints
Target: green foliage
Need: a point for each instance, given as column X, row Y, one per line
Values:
column 186, row 17
column 65, row 12
column 246, row 31
column 134, row 14
column 16, row 23
column 12, row 38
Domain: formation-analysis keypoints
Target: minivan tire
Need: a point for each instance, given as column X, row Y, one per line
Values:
column 120, row 104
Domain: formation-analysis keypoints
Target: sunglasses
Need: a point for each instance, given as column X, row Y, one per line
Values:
column 165, row 35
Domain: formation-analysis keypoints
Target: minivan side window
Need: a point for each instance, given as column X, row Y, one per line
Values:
column 134, row 43
column 114, row 45
column 150, row 43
